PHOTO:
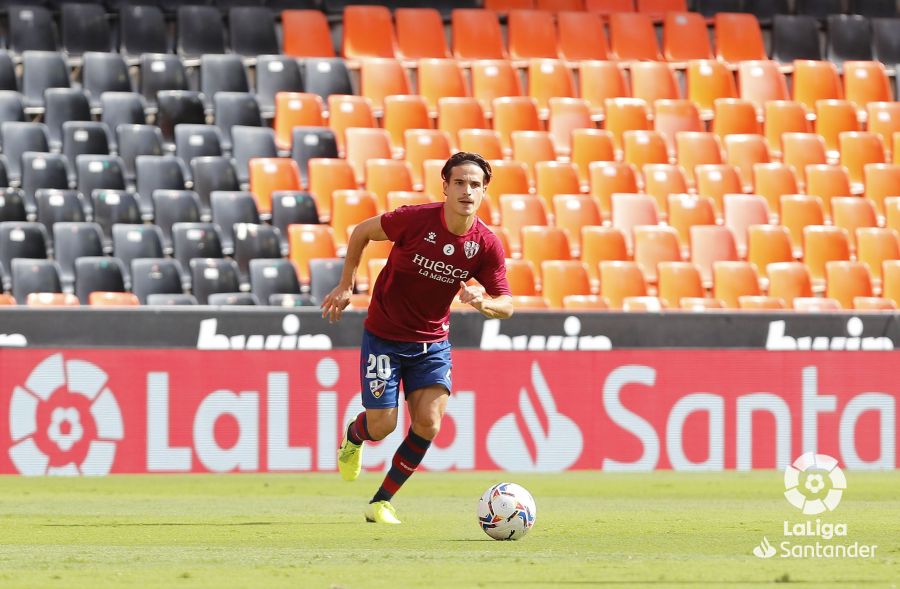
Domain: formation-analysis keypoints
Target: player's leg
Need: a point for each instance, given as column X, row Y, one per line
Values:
column 380, row 384
column 427, row 379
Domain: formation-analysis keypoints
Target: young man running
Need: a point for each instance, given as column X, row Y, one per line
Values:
column 437, row 248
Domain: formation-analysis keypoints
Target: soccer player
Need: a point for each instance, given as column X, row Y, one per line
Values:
column 437, row 248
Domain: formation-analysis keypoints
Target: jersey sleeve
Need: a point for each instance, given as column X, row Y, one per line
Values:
column 395, row 223
column 492, row 274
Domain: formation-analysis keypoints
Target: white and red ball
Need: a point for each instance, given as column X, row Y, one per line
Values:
column 506, row 511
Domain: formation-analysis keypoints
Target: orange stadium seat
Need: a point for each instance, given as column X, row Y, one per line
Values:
column 632, row 210
column 735, row 116
column 525, row 303
column 608, row 178
column 599, row 81
column 858, row 149
column 847, row 280
column 422, row 145
column 625, row 114
column 531, row 147
column 368, row 32
column 797, row 212
column 518, row 211
column 852, row 213
column 566, row 116
column 560, row 5
column 552, row 178
column 644, row 147
column 402, row 112
column 715, row 181
column 800, row 150
column 348, row 208
column 456, row 113
column 508, row 5
column 619, row 280
column 738, row 37
column 476, row 34
column 743, row 152
column 687, row 210
column 821, row 244
column 296, row 109
column 773, row 180
column 816, row 305
column 600, row 243
column 788, row 281
column 652, row 81
column 100, row 298
column 590, row 145
column 742, row 211
column 381, row 77
column 834, row 117
column 768, row 244
column 732, row 280
column 531, row 34
column 374, row 250
column 308, row 242
column 654, row 244
column 662, row 180
column 541, row 243
column 644, row 304
column 306, row 34
column 549, row 79
column 399, row 198
column 815, row 80
column 384, row 176
column 327, row 175
column 673, row 117
column 826, row 182
column 492, row 79
column 510, row 177
column 573, row 212
column 685, row 37
column 585, row 303
column 632, row 38
column 873, row 304
column 607, row 7
column 51, row 299
column 483, row 141
column 345, row 111
column 881, row 181
column 657, row 9
column 707, row 81
column 520, row 276
column 883, row 118
column 515, row 113
column 562, row 278
column 420, row 34
column 761, row 81
column 866, row 82
column 761, row 303
column 694, row 149
column 581, row 36
column 678, row 280
column 874, row 245
column 784, row 116
column 709, row 244
column 890, row 271
column 363, row 144
column 440, row 78
column 268, row 175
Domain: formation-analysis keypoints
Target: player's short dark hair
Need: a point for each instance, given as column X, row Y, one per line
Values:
column 463, row 157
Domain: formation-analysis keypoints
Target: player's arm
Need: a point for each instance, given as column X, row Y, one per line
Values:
column 336, row 301
column 499, row 307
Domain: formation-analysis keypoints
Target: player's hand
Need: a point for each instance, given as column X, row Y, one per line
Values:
column 335, row 302
column 471, row 295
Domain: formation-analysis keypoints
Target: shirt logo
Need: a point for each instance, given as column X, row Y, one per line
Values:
column 430, row 237
column 449, row 249
column 470, row 248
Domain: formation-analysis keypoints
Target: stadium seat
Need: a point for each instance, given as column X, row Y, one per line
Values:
column 326, row 76
column 420, row 34
column 738, row 37
column 101, row 298
column 859, row 149
column 531, row 34
column 678, row 280
column 575, row 303
column 349, row 208
column 457, row 113
column 741, row 212
column 800, row 150
column 710, row 244
column 193, row 141
column 211, row 173
column 252, row 241
column 346, row 111
column 795, row 37
column 573, row 212
column 652, row 81
column 676, row 116
column 874, row 245
column 881, row 181
column 492, row 80
column 619, row 280
column 685, row 37
column 271, row 174
column 229, row 208
column 717, row 180
column 549, row 79
column 518, row 211
column 632, row 210
column 760, row 81
column 661, row 181
column 423, row 145
column 735, row 116
column 308, row 143
column 305, row 33
column 382, row 77
column 581, row 36
column 142, row 29
column 42, row 70
column 590, row 145
column 852, row 213
column 530, row 148
column 599, row 81
column 103, row 72
column 308, row 242
column 31, row 28
column 221, row 73
column 822, row 244
column 95, row 274
column 834, row 117
column 562, row 278
column 155, row 276
column 654, row 244
column 252, row 31
column 175, row 107
column 632, row 38
column 520, row 275
column 707, row 81
column 849, row 39
column 325, row 176
column 599, row 243
column 30, row 276
column 43, row 170
column 768, row 244
column 441, row 78
column 625, row 114
column 155, row 172
column 609, row 178
column 111, row 207
column 368, row 32
column 213, row 275
column 476, row 34
column 375, row 250
column 55, row 205
column 694, row 149
column 847, row 280
column 541, row 243
column 732, row 280
column 761, row 303
column 402, row 112
column 815, row 80
column 199, row 31
column 277, row 74
column 784, row 116
column 99, row 172
column 73, row 240
column 883, row 118
column 687, row 210
column 797, row 212
column 132, row 241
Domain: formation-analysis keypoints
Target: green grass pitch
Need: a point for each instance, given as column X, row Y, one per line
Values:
column 593, row 529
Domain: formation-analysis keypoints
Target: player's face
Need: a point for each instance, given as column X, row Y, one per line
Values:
column 465, row 189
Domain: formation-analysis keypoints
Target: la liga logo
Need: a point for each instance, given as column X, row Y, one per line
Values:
column 815, row 485
column 64, row 420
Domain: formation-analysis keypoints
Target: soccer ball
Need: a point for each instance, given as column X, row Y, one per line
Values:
column 506, row 511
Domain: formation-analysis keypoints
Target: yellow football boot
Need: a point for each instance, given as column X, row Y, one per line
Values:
column 381, row 512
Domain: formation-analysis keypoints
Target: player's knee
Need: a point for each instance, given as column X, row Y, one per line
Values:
column 427, row 427
column 379, row 429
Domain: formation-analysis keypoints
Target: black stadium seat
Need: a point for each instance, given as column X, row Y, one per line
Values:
column 199, row 31
column 142, row 29
column 795, row 37
column 175, row 107
column 55, row 206
column 252, row 31
column 114, row 206
column 99, row 172
column 136, row 140
column 230, row 207
column 42, row 70
column 221, row 73
column 155, row 276
column 33, row 275
column 98, row 273
column 31, row 28
column 272, row 276
column 85, row 27
column 254, row 241
column 213, row 275
column 161, row 71
column 73, row 241
column 136, row 241
column 174, row 206
column 274, row 74
column 235, row 109
column 210, row 174
column 43, row 170
column 83, row 137
column 104, row 72
column 18, row 138
column 195, row 240
column 156, row 172
column 311, row 142
column 249, row 143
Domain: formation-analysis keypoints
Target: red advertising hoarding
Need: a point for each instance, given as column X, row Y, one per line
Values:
column 163, row 411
